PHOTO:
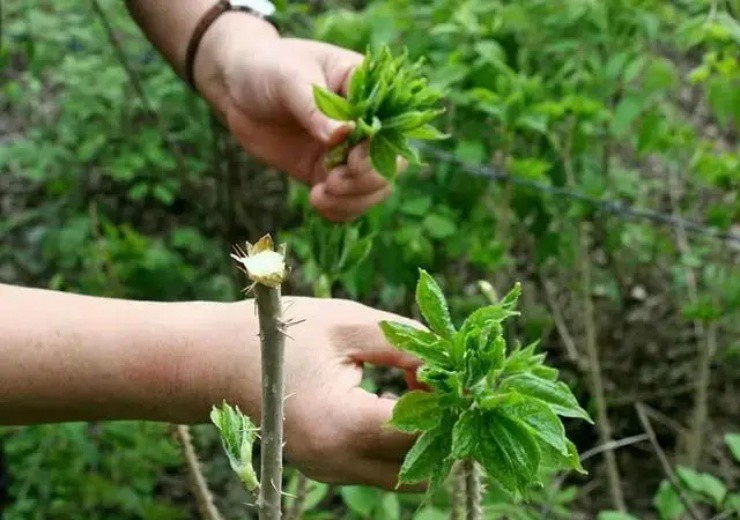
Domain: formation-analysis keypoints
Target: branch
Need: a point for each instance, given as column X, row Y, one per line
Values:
column 696, row 435
column 565, row 335
column 667, row 469
column 198, row 483
column 273, row 343
column 458, row 492
column 472, row 490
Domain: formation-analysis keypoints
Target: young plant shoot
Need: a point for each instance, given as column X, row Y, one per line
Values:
column 238, row 434
column 389, row 102
column 488, row 403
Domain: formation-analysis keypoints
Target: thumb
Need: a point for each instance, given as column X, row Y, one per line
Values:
column 299, row 100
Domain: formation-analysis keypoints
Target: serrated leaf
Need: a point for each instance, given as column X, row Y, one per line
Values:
column 733, row 442
column 426, row 455
column 485, row 316
column 555, row 460
column 238, row 434
column 512, row 297
column 416, row 411
column 332, row 105
column 555, row 394
column 540, row 418
column 464, row 435
column 383, row 157
column 425, row 345
column 508, row 452
column 433, row 305
column 438, row 378
column 702, row 483
column 525, row 360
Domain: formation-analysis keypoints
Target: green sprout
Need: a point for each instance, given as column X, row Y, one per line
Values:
column 238, row 434
column 390, row 102
column 488, row 403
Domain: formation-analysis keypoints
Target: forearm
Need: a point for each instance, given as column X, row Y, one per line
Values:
column 170, row 25
column 69, row 357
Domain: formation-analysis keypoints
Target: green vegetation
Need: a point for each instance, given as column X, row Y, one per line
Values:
column 496, row 405
column 635, row 102
column 389, row 102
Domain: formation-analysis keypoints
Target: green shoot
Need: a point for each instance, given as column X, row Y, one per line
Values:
column 238, row 434
column 496, row 405
column 390, row 102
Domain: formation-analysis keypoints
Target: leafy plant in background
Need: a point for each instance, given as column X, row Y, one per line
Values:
column 496, row 405
column 390, row 102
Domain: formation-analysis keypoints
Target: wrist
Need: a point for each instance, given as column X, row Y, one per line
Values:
column 221, row 43
column 219, row 358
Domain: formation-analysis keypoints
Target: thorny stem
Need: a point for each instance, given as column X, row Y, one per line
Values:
column 458, row 492
column 472, row 490
column 272, row 339
column 203, row 496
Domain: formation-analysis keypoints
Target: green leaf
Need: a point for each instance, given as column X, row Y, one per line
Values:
column 439, row 227
column 555, row 393
column 410, row 121
column 383, row 156
column 508, row 452
column 389, row 507
column 555, row 460
column 616, row 515
column 360, row 499
column 237, row 437
column 433, row 305
column 427, row 454
column 416, row 411
column 668, row 503
column 425, row 345
column 703, row 483
column 332, row 105
column 733, row 442
column 496, row 313
column 465, row 434
column 511, row 299
column 427, row 133
column 540, row 418
column 625, row 114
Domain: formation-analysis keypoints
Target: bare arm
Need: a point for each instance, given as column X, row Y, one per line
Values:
column 70, row 357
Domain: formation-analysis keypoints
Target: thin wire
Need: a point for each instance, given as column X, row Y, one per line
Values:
column 607, row 206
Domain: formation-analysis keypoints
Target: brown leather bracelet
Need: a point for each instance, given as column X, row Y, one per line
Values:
column 204, row 23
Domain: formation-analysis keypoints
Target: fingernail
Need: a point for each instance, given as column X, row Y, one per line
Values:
column 331, row 128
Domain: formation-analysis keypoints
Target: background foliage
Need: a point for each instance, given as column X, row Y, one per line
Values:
column 636, row 101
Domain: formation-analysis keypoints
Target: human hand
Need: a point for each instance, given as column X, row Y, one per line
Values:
column 262, row 85
column 335, row 431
